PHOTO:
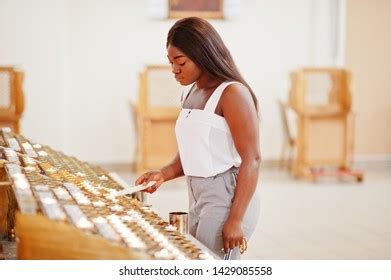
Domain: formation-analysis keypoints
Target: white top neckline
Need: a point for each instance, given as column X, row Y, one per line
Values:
column 213, row 100
column 202, row 110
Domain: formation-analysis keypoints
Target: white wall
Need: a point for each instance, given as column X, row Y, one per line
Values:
column 82, row 58
column 33, row 34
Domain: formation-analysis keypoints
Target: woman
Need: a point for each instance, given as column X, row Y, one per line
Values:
column 218, row 139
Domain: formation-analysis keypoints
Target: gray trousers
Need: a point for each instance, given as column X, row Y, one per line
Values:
column 210, row 201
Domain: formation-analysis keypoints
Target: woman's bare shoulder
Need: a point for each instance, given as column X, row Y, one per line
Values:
column 237, row 94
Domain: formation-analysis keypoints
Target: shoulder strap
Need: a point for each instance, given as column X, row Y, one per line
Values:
column 214, row 99
column 185, row 93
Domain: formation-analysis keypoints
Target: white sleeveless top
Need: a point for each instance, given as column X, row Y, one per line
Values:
column 204, row 140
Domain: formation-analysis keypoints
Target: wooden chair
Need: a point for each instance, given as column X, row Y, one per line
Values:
column 11, row 98
column 156, row 112
column 322, row 101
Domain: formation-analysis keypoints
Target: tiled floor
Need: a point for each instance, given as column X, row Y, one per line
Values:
column 330, row 219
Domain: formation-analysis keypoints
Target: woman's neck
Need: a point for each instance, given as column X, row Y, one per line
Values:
column 205, row 83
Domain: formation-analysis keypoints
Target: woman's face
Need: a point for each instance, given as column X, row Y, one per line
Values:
column 185, row 70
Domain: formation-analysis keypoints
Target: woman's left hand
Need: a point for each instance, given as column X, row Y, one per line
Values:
column 232, row 234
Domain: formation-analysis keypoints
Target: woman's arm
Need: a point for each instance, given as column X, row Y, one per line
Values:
column 240, row 113
column 168, row 172
column 173, row 169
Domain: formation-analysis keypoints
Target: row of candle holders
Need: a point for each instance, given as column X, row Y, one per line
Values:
column 64, row 189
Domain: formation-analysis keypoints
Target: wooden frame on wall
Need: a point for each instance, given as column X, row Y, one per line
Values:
column 212, row 9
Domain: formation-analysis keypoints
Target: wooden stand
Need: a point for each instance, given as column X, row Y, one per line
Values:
column 7, row 208
column 324, row 136
column 42, row 239
column 11, row 98
column 157, row 110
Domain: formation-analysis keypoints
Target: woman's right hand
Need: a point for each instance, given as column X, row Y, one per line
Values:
column 155, row 175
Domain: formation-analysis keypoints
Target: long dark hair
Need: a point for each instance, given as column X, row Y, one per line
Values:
column 203, row 45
